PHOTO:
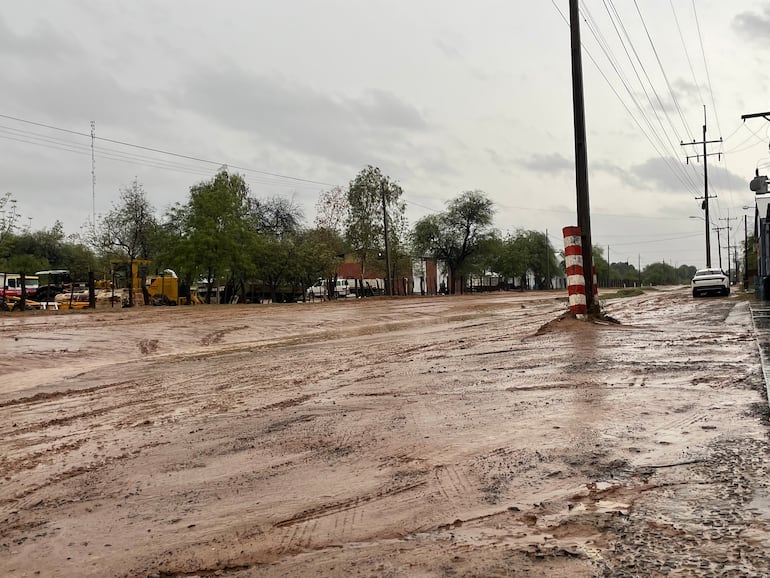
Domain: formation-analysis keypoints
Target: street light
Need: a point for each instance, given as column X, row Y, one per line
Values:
column 708, row 240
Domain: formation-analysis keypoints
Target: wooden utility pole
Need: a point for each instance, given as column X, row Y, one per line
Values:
column 719, row 245
column 745, row 251
column 729, row 268
column 547, row 262
column 705, row 197
column 388, row 275
column 581, row 157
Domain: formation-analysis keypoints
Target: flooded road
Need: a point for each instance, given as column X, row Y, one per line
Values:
column 456, row 436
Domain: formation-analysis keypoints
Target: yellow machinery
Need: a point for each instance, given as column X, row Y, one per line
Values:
column 161, row 289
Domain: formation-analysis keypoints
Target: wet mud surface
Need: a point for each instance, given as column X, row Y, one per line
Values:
column 466, row 436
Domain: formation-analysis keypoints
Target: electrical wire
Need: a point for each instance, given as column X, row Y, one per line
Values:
column 165, row 152
column 662, row 69
column 706, row 66
column 625, row 106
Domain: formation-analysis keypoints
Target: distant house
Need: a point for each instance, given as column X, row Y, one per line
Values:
column 424, row 275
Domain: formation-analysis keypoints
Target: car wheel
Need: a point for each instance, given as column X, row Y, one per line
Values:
column 726, row 292
column 694, row 293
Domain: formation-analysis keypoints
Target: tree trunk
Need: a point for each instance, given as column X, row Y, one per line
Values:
column 130, row 281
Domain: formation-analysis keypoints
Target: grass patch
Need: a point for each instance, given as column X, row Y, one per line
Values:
column 623, row 293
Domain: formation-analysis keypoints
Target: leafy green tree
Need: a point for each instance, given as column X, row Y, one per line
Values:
column 512, row 257
column 457, row 234
column 212, row 229
column 659, row 274
column 602, row 267
column 541, row 257
column 364, row 227
column 685, row 273
column 625, row 273
column 128, row 230
column 317, row 254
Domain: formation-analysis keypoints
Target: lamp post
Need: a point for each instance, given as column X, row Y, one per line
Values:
column 708, row 243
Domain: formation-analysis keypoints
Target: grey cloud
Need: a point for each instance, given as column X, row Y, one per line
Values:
column 448, row 48
column 752, row 25
column 658, row 174
column 341, row 129
column 549, row 163
column 64, row 82
column 43, row 43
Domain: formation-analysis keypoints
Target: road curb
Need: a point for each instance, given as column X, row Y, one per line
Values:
column 760, row 321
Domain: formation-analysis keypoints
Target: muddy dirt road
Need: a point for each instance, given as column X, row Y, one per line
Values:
column 416, row 437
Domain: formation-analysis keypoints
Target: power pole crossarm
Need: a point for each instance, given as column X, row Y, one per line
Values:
column 705, row 155
column 765, row 115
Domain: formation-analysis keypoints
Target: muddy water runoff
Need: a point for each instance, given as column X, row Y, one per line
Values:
column 466, row 436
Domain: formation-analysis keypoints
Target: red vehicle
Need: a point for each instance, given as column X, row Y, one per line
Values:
column 11, row 285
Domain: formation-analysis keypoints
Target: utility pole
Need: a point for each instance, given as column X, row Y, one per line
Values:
column 639, row 267
column 581, row 156
column 389, row 276
column 745, row 251
column 609, row 268
column 705, row 197
column 719, row 245
column 729, row 257
column 93, row 179
column 547, row 261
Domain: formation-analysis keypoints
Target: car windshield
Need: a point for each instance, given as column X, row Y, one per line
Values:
column 708, row 272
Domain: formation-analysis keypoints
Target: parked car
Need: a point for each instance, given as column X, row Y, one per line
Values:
column 710, row 281
column 318, row 290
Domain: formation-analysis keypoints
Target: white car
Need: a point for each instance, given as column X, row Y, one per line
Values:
column 710, row 281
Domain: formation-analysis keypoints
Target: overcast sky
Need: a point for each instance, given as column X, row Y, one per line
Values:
column 443, row 95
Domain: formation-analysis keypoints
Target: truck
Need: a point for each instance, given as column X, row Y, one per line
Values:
column 11, row 285
column 319, row 289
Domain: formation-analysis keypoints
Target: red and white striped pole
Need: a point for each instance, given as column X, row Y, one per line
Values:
column 573, row 260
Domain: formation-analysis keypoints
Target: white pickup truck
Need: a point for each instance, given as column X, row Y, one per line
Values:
column 318, row 290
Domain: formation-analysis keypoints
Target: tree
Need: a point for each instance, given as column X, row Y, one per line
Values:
column 332, row 210
column 659, row 274
column 541, row 260
column 128, row 230
column 625, row 272
column 372, row 198
column 276, row 216
column 8, row 219
column 213, row 228
column 316, row 255
column 457, row 234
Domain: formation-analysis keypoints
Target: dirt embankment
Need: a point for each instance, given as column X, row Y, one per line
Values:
column 416, row 437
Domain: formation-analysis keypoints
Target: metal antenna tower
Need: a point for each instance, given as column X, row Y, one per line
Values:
column 93, row 178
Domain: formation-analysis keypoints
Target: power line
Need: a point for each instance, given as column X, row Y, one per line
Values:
column 165, row 152
column 687, row 54
column 666, row 160
column 706, row 66
column 663, row 71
